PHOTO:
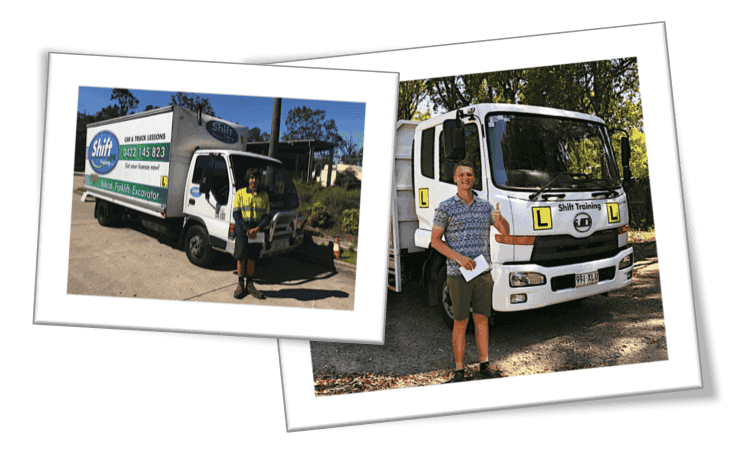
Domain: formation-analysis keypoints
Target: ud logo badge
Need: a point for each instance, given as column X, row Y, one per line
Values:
column 542, row 217
column 424, row 197
column 582, row 222
column 613, row 212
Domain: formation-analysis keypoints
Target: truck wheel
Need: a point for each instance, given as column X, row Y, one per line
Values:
column 198, row 248
column 105, row 213
column 445, row 303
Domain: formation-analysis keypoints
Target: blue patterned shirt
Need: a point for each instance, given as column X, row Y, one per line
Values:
column 467, row 228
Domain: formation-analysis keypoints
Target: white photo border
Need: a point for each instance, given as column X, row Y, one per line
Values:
column 67, row 72
column 681, row 371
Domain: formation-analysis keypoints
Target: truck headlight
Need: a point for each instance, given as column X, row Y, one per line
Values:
column 626, row 262
column 526, row 279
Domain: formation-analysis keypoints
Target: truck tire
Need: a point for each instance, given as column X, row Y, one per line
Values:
column 105, row 212
column 198, row 247
column 445, row 303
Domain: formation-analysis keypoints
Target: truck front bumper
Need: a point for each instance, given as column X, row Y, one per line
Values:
column 559, row 286
column 284, row 234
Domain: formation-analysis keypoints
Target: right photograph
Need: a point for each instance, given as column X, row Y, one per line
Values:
column 522, row 235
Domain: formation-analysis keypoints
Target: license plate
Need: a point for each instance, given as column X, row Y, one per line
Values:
column 585, row 279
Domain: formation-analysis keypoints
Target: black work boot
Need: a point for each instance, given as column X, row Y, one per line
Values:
column 457, row 376
column 252, row 290
column 240, row 291
column 486, row 372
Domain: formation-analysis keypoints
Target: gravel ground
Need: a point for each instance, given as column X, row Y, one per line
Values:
column 624, row 327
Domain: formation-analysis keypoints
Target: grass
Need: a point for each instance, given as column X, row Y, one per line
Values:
column 349, row 257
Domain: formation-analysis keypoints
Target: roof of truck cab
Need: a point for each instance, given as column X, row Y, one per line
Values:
column 483, row 109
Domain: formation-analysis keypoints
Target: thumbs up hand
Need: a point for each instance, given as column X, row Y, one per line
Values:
column 496, row 213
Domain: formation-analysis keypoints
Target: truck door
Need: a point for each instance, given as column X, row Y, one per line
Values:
column 434, row 179
column 213, row 210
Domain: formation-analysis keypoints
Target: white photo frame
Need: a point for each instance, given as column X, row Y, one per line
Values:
column 42, row 59
column 67, row 72
column 682, row 369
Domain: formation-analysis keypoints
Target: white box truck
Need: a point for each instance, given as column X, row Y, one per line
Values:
column 555, row 176
column 178, row 171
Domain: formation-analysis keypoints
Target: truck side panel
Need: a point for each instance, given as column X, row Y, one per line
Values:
column 128, row 161
column 404, row 195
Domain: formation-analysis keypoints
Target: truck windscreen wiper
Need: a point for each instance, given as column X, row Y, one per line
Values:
column 549, row 184
column 605, row 187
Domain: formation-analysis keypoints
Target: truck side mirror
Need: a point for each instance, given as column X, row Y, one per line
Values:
column 625, row 158
column 454, row 137
column 206, row 181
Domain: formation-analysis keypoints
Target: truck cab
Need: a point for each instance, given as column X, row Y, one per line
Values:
column 556, row 179
column 213, row 180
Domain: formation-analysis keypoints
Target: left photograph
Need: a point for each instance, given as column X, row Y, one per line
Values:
column 214, row 198
column 201, row 177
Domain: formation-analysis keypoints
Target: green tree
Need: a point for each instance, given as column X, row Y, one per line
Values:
column 255, row 135
column 447, row 93
column 411, row 94
column 304, row 123
column 192, row 102
column 419, row 116
column 126, row 101
column 350, row 152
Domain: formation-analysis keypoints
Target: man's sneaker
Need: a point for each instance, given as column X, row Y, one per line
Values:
column 240, row 291
column 458, row 376
column 486, row 372
column 252, row 290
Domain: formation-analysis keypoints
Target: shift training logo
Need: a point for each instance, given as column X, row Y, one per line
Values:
column 103, row 152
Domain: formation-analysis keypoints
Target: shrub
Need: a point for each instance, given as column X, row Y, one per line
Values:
column 335, row 199
column 350, row 221
column 348, row 180
column 320, row 217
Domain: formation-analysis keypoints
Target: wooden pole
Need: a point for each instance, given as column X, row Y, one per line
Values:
column 275, row 137
column 310, row 162
column 297, row 161
column 330, row 164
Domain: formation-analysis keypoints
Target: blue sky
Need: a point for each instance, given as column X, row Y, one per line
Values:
column 243, row 110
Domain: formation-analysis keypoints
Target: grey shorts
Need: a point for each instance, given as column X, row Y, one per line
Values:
column 245, row 250
column 478, row 292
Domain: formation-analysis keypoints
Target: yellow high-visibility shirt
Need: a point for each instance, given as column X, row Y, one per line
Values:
column 252, row 207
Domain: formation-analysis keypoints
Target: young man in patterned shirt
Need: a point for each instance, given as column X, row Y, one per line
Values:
column 465, row 220
column 251, row 214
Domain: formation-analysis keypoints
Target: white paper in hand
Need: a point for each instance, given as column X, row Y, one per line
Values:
column 258, row 239
column 480, row 265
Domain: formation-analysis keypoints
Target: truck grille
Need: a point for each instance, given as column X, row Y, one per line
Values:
column 566, row 250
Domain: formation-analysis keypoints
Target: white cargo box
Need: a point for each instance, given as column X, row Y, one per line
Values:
column 142, row 160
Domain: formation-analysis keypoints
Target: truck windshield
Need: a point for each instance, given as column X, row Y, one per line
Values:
column 530, row 151
column 275, row 180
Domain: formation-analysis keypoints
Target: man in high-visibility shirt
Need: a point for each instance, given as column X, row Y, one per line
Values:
column 251, row 214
